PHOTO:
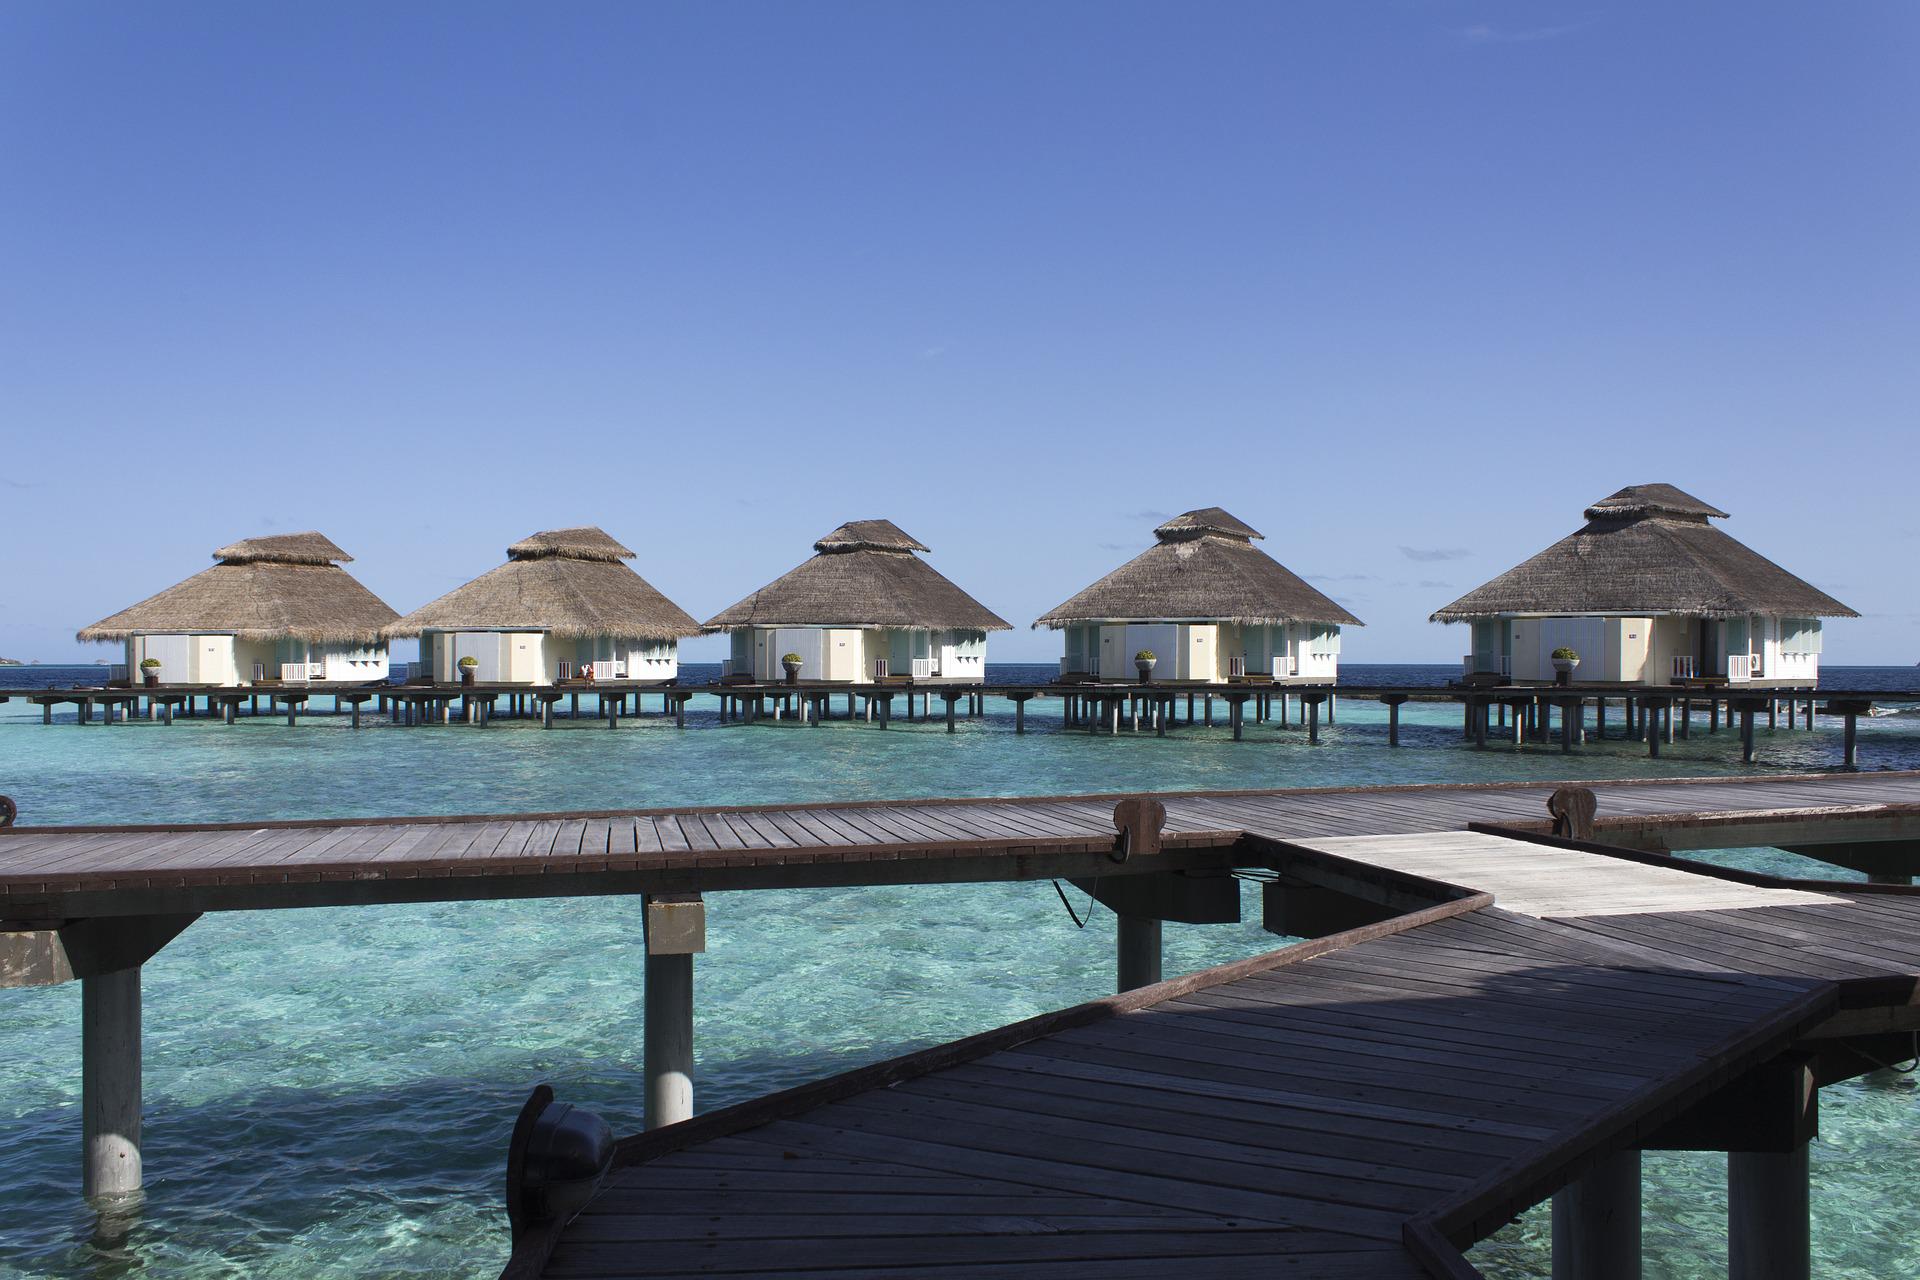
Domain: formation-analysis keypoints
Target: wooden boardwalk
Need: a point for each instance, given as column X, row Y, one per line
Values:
column 63, row 872
column 1367, row 1104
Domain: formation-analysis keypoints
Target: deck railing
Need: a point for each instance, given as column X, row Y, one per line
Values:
column 1284, row 665
column 923, row 669
column 1683, row 668
column 296, row 672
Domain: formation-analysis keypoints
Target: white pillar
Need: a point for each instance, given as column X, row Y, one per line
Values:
column 676, row 930
column 669, row 1040
column 1596, row 1222
column 110, row 1081
column 1768, row 1232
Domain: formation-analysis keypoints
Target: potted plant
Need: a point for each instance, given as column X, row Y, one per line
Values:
column 1564, row 661
column 469, row 668
column 1143, row 662
column 150, row 671
column 791, row 661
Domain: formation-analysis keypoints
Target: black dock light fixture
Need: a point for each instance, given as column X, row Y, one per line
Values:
column 555, row 1163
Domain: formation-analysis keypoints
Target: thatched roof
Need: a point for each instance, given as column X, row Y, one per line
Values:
column 1203, row 568
column 585, row 543
column 1647, row 549
column 568, row 582
column 869, row 535
column 865, row 575
column 283, row 587
column 284, row 548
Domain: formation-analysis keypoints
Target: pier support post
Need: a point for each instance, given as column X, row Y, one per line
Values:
column 676, row 931
column 110, row 1081
column 1850, row 713
column 1138, row 951
column 1393, row 701
column 1313, row 718
column 1746, row 734
column 1768, row 1233
column 951, row 699
column 1596, row 1222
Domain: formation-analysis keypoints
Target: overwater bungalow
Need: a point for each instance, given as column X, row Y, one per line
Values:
column 1209, row 605
column 562, row 608
column 866, row 607
column 1648, row 592
column 272, row 610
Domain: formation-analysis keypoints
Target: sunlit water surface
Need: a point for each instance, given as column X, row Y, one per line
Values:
column 329, row 1092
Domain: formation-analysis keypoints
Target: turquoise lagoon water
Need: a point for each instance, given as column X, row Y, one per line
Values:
column 329, row 1092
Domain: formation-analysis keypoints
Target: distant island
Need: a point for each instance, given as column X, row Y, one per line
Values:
column 11, row 662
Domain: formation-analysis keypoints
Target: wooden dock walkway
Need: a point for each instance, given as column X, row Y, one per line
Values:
column 1365, row 1105
column 54, row 873
column 1509, row 1011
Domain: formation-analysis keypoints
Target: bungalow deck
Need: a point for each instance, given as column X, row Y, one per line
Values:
column 1652, row 714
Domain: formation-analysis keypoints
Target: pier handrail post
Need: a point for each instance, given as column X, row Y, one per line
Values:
column 676, row 931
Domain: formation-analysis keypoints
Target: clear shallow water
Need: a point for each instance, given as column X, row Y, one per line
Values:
column 329, row 1092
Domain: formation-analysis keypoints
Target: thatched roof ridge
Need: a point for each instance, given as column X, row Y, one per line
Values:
column 869, row 535
column 1662, row 557
column 262, row 589
column 584, row 542
column 310, row 547
column 1206, row 520
column 864, row 575
column 1204, row 568
column 566, row 582
column 1653, row 499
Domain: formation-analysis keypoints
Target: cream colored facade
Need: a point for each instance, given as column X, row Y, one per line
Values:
column 1658, row 649
column 226, row 661
column 856, row 655
column 541, row 658
column 1205, row 652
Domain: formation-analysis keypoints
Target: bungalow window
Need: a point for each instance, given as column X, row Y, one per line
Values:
column 1800, row 635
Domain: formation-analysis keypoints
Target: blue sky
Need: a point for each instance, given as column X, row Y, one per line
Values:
column 1403, row 285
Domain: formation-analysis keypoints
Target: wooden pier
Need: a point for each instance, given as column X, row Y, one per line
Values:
column 1562, row 717
column 1486, row 1014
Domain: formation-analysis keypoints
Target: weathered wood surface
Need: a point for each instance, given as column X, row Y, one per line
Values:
column 1536, row 881
column 1298, row 1119
column 63, row 872
column 1363, row 1105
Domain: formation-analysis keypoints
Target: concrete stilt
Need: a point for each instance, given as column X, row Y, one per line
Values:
column 676, row 931
column 110, row 1081
column 1138, row 951
column 1768, row 1233
column 669, row 1040
column 1393, row 702
column 1596, row 1222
